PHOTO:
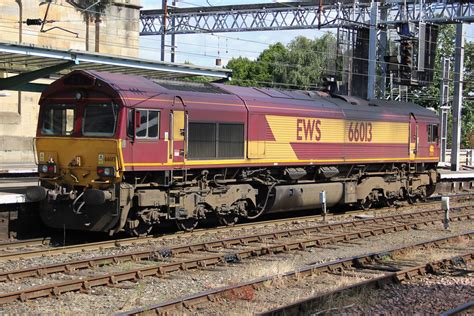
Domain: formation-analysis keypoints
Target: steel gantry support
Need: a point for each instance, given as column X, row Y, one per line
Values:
column 299, row 15
column 457, row 100
column 372, row 51
column 444, row 108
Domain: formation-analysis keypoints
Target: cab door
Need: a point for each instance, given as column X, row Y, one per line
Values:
column 414, row 138
column 147, row 146
column 178, row 130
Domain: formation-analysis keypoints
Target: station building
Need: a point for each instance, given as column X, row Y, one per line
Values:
column 66, row 26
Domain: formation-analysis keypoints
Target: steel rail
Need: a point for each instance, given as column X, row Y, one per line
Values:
column 310, row 303
column 132, row 241
column 150, row 239
column 459, row 309
column 337, row 265
column 25, row 243
column 168, row 252
column 161, row 269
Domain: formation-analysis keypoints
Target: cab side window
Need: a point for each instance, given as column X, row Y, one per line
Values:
column 130, row 122
column 147, row 123
column 432, row 131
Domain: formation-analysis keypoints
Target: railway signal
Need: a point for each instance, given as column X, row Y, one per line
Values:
column 406, row 61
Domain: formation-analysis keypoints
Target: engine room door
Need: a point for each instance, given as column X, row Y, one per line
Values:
column 413, row 132
column 178, row 129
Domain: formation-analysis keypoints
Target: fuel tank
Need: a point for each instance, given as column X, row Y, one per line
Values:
column 304, row 196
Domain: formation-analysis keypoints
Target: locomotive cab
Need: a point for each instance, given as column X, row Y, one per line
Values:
column 78, row 151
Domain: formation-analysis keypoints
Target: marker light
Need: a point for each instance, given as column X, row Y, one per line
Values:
column 47, row 168
column 78, row 95
column 105, row 171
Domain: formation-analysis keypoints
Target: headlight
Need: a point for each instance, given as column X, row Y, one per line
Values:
column 106, row 171
column 48, row 168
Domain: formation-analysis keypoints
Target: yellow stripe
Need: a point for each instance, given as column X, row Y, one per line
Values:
column 290, row 129
column 270, row 162
column 119, row 148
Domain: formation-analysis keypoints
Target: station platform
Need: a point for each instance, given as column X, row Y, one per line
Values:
column 18, row 168
column 467, row 174
column 13, row 190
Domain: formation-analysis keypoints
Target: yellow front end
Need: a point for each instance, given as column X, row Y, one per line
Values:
column 75, row 192
column 78, row 160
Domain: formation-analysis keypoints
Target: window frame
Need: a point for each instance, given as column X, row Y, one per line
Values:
column 431, row 137
column 147, row 124
column 63, row 106
column 95, row 134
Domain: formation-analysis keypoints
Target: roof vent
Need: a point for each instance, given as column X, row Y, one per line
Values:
column 190, row 86
column 352, row 100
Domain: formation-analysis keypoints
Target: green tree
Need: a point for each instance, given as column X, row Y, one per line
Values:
column 246, row 72
column 429, row 96
column 301, row 64
column 468, row 104
column 91, row 5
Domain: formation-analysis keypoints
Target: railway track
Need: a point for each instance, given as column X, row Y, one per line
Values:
column 467, row 307
column 216, row 252
column 24, row 249
column 367, row 263
column 26, row 253
column 18, row 244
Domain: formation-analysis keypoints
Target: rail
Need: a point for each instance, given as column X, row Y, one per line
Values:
column 381, row 225
column 341, row 264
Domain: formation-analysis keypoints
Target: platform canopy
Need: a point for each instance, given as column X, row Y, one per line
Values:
column 29, row 63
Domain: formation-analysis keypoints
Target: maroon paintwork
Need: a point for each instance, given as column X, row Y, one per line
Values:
column 235, row 104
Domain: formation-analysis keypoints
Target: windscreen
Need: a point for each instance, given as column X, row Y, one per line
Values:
column 100, row 120
column 58, row 120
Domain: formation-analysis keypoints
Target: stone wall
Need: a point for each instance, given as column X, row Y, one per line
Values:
column 118, row 35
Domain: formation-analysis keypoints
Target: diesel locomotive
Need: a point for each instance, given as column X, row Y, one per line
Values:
column 119, row 152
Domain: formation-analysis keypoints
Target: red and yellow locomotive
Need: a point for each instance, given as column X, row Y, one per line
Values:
column 120, row 152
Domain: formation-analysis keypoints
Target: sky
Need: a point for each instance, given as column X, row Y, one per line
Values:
column 203, row 49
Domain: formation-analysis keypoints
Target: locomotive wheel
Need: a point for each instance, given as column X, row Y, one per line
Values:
column 430, row 189
column 412, row 199
column 187, row 225
column 228, row 220
column 365, row 204
column 423, row 194
column 143, row 229
column 389, row 202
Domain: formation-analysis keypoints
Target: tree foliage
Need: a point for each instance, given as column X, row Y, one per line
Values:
column 301, row 64
column 429, row 96
column 468, row 104
column 91, row 7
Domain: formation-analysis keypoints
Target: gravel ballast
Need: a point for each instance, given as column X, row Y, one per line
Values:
column 128, row 295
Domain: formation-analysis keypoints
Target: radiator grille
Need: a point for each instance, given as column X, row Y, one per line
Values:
column 215, row 140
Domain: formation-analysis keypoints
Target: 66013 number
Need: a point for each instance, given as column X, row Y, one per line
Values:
column 360, row 132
